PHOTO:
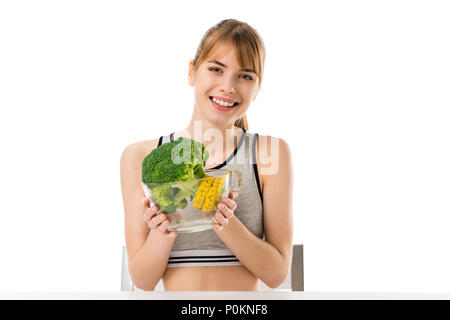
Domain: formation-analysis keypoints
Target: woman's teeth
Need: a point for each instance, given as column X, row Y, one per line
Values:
column 222, row 103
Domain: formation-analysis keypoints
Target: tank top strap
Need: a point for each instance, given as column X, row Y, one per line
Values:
column 166, row 138
column 255, row 164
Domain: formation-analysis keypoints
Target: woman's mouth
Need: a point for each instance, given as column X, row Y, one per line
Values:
column 222, row 107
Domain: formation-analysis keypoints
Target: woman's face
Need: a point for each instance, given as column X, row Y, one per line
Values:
column 221, row 78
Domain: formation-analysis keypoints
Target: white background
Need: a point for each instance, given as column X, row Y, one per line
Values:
column 359, row 90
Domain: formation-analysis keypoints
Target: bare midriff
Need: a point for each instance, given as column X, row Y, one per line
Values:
column 212, row 278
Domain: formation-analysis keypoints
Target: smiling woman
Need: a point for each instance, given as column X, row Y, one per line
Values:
column 248, row 51
column 228, row 85
column 244, row 245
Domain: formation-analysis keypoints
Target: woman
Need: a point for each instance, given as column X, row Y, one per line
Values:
column 253, row 237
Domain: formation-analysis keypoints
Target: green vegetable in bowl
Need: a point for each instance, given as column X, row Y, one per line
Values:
column 181, row 160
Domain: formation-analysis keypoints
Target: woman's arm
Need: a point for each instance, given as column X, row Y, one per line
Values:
column 148, row 251
column 268, row 260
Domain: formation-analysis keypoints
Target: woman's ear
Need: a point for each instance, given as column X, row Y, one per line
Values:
column 191, row 74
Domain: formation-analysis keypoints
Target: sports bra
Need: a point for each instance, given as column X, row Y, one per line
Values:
column 205, row 248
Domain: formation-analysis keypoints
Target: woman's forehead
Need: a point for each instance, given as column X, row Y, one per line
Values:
column 221, row 50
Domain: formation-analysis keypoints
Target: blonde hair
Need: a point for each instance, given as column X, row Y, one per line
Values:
column 247, row 42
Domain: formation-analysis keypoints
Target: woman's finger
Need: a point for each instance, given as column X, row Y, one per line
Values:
column 145, row 202
column 154, row 209
column 221, row 219
column 172, row 234
column 156, row 221
column 229, row 203
column 149, row 213
column 233, row 194
column 163, row 226
column 227, row 212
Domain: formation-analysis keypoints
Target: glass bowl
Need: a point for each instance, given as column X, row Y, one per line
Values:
column 190, row 205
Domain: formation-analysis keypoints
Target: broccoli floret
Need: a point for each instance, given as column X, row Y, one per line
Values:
column 181, row 160
column 164, row 195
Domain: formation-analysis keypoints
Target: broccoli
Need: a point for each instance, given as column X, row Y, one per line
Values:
column 181, row 160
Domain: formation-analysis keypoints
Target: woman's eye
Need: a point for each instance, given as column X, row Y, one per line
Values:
column 214, row 69
column 249, row 78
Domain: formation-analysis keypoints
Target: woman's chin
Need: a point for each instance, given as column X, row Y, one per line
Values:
column 219, row 119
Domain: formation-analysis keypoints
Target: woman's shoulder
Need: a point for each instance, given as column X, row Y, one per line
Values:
column 139, row 149
column 266, row 143
column 270, row 151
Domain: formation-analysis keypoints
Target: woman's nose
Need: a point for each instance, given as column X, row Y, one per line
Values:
column 228, row 89
column 228, row 86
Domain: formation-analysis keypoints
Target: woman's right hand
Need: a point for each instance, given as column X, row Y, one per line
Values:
column 156, row 222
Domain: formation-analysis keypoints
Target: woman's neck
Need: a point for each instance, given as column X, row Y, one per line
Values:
column 219, row 142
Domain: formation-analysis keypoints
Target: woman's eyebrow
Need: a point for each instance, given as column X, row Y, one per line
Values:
column 221, row 64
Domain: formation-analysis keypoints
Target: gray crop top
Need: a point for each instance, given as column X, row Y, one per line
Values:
column 205, row 248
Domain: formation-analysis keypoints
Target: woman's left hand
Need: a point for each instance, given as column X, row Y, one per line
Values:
column 225, row 211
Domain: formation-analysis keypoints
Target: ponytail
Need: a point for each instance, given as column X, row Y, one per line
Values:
column 242, row 122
